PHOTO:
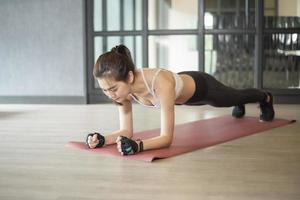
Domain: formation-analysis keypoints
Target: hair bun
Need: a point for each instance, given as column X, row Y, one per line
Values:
column 115, row 49
column 122, row 49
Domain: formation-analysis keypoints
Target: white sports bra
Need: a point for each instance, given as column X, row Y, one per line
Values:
column 178, row 88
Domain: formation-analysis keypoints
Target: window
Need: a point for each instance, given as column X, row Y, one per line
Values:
column 230, row 59
column 281, row 44
column 229, row 14
column 173, row 52
column 242, row 43
column 172, row 14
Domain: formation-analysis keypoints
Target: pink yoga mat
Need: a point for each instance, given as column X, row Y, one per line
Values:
column 192, row 136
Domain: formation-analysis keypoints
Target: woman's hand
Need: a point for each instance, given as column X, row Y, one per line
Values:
column 95, row 140
column 127, row 146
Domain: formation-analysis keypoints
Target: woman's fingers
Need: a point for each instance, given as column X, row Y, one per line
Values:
column 89, row 140
column 93, row 141
column 95, row 138
column 119, row 146
column 118, row 139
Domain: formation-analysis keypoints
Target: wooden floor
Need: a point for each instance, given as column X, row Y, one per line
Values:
column 35, row 164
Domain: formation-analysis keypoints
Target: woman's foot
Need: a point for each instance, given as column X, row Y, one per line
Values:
column 238, row 111
column 266, row 108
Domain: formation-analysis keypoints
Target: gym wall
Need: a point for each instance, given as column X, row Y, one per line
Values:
column 42, row 51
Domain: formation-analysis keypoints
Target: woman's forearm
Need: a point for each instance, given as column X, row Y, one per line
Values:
column 112, row 137
column 157, row 142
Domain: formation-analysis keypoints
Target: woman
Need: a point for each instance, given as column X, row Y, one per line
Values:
column 160, row 88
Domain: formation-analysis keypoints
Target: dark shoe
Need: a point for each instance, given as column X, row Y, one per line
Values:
column 266, row 108
column 238, row 111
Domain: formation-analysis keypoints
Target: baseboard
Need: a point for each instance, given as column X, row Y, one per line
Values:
column 43, row 100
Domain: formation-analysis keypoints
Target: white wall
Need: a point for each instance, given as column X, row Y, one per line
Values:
column 42, row 50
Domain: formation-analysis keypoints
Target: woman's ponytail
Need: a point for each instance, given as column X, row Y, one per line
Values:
column 123, row 50
column 116, row 63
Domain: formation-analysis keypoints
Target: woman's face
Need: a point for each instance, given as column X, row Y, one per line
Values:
column 115, row 90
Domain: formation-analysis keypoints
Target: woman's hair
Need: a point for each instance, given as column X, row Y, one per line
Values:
column 116, row 63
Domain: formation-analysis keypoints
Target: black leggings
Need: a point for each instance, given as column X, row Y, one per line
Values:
column 212, row 92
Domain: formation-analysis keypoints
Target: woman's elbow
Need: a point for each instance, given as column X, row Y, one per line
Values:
column 167, row 142
column 167, row 145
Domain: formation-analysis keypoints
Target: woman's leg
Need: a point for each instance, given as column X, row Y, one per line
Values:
column 220, row 95
column 213, row 92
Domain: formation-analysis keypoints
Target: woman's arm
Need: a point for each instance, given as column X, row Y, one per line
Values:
column 164, row 89
column 126, row 125
column 166, row 94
